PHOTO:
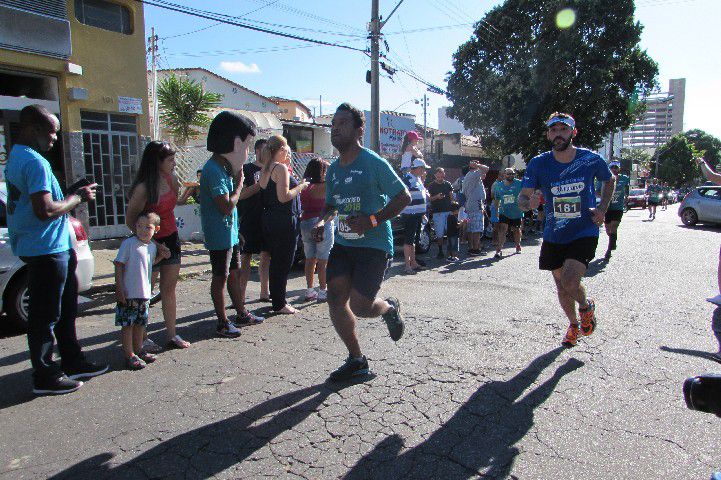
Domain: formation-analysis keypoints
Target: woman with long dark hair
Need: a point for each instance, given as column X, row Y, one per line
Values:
column 155, row 189
column 280, row 197
column 312, row 201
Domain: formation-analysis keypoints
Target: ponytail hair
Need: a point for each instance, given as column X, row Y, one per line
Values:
column 270, row 148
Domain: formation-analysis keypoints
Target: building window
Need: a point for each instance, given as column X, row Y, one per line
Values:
column 105, row 15
column 300, row 139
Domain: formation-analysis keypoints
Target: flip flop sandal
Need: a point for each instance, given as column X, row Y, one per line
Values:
column 147, row 357
column 135, row 363
column 177, row 343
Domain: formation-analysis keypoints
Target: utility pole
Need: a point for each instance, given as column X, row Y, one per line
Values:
column 375, row 31
column 320, row 105
column 375, row 35
column 153, row 49
column 425, row 126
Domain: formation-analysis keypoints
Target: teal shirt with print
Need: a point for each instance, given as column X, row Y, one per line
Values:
column 618, row 201
column 507, row 196
column 655, row 192
column 220, row 230
column 362, row 187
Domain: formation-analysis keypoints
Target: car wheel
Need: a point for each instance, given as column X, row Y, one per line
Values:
column 16, row 302
column 424, row 242
column 689, row 217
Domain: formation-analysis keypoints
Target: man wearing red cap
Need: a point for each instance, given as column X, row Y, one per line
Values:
column 565, row 175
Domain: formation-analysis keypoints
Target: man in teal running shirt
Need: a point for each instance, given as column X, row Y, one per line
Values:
column 364, row 193
column 505, row 198
column 616, row 207
column 654, row 192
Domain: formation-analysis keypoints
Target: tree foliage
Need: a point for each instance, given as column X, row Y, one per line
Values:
column 519, row 67
column 184, row 106
column 634, row 156
column 675, row 157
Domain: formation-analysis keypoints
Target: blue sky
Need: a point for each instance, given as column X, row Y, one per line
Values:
column 681, row 35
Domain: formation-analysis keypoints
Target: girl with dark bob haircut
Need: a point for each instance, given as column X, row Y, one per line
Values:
column 224, row 128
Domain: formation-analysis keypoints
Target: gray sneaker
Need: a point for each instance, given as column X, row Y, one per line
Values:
column 393, row 319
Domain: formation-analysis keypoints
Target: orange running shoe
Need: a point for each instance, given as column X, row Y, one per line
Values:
column 571, row 336
column 588, row 318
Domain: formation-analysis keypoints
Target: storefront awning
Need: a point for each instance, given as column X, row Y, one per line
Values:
column 266, row 122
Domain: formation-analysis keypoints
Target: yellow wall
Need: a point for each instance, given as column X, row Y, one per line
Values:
column 113, row 65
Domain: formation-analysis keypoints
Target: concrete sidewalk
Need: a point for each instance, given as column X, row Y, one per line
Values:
column 195, row 262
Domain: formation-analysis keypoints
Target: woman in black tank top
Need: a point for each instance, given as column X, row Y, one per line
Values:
column 280, row 198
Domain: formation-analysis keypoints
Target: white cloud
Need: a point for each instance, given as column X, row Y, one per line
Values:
column 240, row 67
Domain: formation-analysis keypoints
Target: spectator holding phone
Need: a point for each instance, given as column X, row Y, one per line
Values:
column 39, row 235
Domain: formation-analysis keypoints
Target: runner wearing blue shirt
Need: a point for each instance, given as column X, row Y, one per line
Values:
column 565, row 175
column 364, row 193
column 505, row 198
column 37, row 216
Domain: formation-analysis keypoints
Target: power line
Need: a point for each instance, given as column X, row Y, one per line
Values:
column 214, row 16
column 215, row 53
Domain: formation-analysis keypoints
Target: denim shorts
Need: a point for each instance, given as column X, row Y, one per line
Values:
column 440, row 222
column 311, row 248
column 134, row 312
column 475, row 222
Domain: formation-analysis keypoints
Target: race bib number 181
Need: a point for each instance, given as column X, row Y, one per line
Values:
column 567, row 207
column 344, row 229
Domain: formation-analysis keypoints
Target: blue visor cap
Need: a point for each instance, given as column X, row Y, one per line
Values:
column 567, row 120
column 614, row 164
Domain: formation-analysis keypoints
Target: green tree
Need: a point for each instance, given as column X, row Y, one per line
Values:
column 634, row 156
column 184, row 106
column 519, row 67
column 675, row 157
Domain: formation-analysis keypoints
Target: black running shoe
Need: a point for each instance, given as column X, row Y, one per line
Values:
column 56, row 386
column 353, row 367
column 394, row 320
column 85, row 369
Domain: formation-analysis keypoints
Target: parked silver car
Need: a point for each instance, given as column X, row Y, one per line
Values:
column 13, row 273
column 702, row 205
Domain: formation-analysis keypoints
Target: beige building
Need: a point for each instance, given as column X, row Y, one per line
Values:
column 662, row 119
column 292, row 110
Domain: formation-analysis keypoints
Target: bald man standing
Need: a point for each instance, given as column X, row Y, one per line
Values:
column 40, row 236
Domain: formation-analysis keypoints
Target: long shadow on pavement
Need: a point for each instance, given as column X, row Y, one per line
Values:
column 691, row 353
column 480, row 436
column 17, row 386
column 213, row 448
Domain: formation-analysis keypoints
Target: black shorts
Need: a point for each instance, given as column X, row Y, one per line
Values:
column 511, row 222
column 252, row 233
column 366, row 268
column 172, row 241
column 654, row 203
column 223, row 261
column 613, row 216
column 553, row 255
column 412, row 228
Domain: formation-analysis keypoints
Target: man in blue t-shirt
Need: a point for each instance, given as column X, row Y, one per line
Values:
column 364, row 193
column 505, row 198
column 229, row 137
column 39, row 235
column 566, row 175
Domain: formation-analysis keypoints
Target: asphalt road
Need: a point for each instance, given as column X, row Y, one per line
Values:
column 478, row 387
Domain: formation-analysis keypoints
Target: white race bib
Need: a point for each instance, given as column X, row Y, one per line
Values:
column 344, row 229
column 567, row 207
column 509, row 199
